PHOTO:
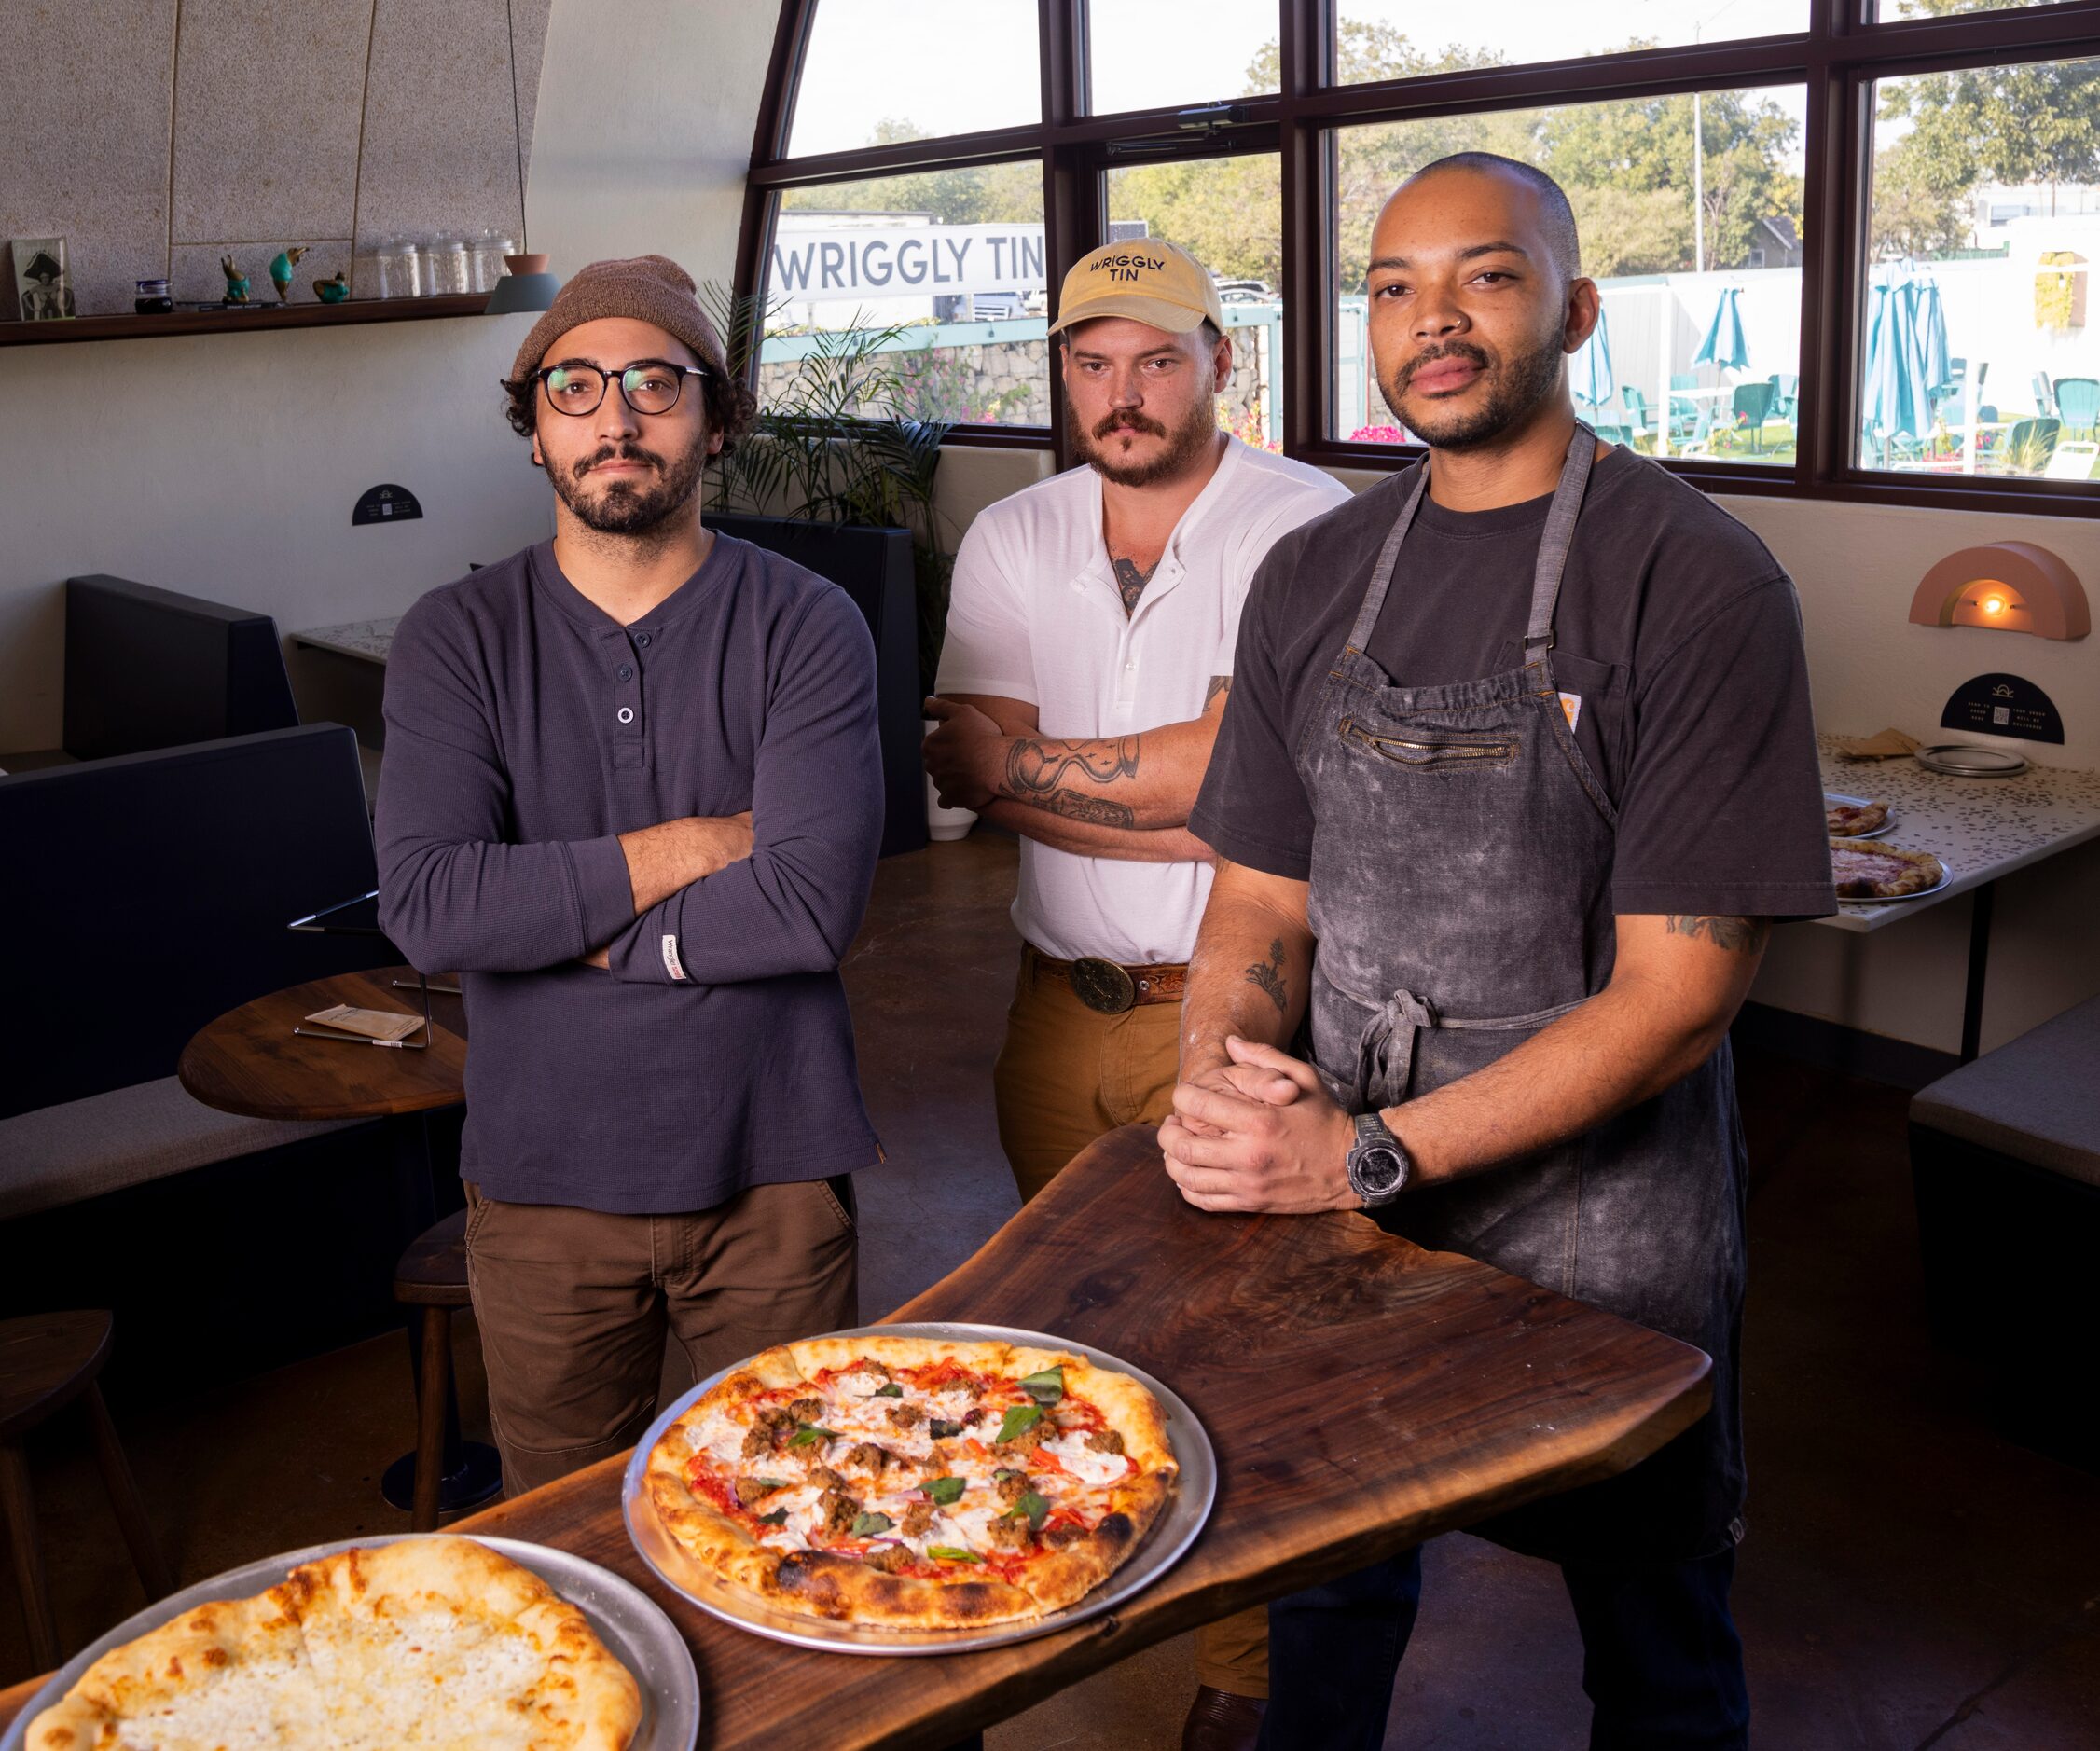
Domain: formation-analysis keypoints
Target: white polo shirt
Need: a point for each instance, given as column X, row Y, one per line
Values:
column 1035, row 614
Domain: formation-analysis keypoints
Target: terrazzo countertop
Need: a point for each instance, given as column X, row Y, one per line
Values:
column 369, row 640
column 1980, row 828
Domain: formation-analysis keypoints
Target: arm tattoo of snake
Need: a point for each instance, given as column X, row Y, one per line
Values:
column 1035, row 769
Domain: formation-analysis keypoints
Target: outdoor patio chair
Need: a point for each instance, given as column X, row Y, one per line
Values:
column 1752, row 402
column 2078, row 404
column 2045, row 393
column 2029, row 446
column 1637, row 408
column 1785, row 399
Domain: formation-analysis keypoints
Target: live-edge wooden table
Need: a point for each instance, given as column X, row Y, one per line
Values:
column 1362, row 1395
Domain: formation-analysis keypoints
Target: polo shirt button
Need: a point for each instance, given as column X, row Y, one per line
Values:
column 627, row 714
column 642, row 640
column 627, row 671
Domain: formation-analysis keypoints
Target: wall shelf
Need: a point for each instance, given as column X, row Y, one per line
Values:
column 213, row 322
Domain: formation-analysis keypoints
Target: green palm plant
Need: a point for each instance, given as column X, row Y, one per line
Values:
column 837, row 442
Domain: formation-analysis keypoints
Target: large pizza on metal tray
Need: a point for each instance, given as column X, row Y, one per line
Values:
column 915, row 1482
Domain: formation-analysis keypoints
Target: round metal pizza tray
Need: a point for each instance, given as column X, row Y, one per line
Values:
column 627, row 1619
column 1965, row 760
column 1860, row 801
column 1187, row 1508
column 1946, row 876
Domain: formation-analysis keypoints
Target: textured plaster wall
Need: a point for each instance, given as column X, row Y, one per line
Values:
column 156, row 136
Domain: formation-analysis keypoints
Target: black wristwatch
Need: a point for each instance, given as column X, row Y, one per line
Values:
column 1378, row 1166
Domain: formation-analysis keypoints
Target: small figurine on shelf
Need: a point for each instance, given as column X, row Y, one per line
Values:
column 236, row 282
column 332, row 291
column 280, row 271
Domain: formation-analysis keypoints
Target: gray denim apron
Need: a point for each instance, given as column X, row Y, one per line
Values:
column 1461, row 894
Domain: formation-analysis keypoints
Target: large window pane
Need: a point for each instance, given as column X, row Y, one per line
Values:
column 1978, row 352
column 1403, row 40
column 1696, row 248
column 937, row 278
column 1228, row 213
column 884, row 70
column 1884, row 10
column 1153, row 54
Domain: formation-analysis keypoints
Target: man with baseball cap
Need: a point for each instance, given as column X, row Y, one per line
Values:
column 619, row 798
column 1089, row 650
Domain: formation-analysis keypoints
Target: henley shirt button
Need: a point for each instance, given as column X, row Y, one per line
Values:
column 627, row 714
column 642, row 640
column 627, row 671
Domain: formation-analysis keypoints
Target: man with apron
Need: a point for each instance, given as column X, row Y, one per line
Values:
column 1518, row 770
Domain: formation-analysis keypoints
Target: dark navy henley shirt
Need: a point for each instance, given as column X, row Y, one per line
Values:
column 526, row 730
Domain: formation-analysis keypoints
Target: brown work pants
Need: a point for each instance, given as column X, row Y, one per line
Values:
column 574, row 1307
column 1066, row 1076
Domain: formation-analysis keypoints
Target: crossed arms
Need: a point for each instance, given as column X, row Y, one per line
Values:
column 1121, row 797
column 1253, row 1129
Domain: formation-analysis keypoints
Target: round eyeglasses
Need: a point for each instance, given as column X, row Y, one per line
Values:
column 647, row 386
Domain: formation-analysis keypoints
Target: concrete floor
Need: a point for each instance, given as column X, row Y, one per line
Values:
column 1911, row 1579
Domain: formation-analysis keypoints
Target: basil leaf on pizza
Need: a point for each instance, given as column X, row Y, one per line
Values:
column 876, row 1513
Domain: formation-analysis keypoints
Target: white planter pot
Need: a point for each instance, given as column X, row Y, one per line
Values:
column 945, row 823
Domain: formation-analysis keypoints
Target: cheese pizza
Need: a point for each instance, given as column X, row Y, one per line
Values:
column 430, row 1642
column 914, row 1482
column 1881, row 871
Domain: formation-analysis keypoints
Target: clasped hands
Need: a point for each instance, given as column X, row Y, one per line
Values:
column 1258, row 1132
column 965, row 753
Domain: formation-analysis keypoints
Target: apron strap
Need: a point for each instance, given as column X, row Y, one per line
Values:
column 1389, row 557
column 1558, row 538
column 1385, row 1049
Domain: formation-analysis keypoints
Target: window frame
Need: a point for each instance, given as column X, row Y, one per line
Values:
column 1837, row 58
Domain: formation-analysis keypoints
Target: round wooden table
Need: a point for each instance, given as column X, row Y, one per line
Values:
column 250, row 1061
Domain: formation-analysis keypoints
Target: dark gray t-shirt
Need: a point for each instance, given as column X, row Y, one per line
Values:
column 1676, row 628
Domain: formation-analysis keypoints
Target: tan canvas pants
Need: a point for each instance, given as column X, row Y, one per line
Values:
column 574, row 1307
column 1066, row 1076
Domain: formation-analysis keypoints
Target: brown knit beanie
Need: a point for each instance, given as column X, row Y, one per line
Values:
column 648, row 288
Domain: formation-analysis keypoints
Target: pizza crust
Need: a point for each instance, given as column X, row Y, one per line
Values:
column 1850, row 821
column 810, row 1580
column 1880, row 871
column 441, row 1642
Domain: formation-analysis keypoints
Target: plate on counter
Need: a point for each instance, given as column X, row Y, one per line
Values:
column 1946, row 876
column 1187, row 1508
column 631, row 1624
column 1860, row 801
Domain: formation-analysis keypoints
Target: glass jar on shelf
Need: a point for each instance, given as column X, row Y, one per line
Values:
column 490, row 248
column 399, row 268
column 447, row 270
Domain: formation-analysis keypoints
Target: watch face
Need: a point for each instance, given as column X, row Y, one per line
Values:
column 1378, row 1169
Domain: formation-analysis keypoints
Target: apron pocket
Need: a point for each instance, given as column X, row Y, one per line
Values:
column 1432, row 757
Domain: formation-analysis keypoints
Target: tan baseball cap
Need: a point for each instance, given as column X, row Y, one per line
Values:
column 1144, row 279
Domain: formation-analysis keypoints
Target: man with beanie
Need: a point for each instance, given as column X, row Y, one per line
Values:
column 631, row 793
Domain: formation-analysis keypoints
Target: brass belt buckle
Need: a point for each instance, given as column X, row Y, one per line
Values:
column 1103, row 986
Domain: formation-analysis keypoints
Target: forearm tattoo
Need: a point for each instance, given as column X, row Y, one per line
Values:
column 1132, row 582
column 1742, row 936
column 1035, row 769
column 1268, row 974
column 1075, row 806
column 1218, row 685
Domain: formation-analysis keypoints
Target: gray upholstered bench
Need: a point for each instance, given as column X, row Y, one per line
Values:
column 2005, row 1159
column 82, row 1149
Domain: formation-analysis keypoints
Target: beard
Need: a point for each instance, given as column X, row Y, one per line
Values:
column 630, row 508
column 1516, row 387
column 1184, row 442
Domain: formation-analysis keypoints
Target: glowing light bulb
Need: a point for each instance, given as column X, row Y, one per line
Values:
column 1994, row 604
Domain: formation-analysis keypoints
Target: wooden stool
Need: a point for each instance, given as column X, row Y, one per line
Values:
column 445, row 1474
column 45, row 1362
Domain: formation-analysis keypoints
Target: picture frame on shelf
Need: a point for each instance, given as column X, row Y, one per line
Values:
column 43, row 284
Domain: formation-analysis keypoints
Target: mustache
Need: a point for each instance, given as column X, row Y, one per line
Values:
column 1451, row 350
column 619, row 452
column 1128, row 422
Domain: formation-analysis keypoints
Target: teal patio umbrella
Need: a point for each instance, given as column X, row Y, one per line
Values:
column 1725, row 344
column 1589, row 372
column 1906, row 356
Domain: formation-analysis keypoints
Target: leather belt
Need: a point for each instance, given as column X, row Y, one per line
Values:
column 1108, row 988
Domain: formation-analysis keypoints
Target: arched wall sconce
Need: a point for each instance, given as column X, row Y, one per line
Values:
column 2004, row 587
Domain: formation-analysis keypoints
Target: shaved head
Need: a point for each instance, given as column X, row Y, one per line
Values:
column 1556, row 218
